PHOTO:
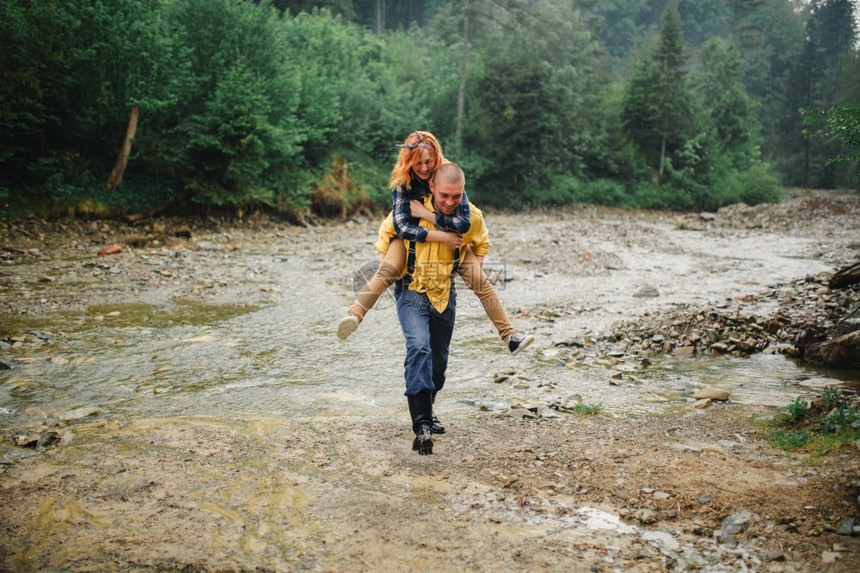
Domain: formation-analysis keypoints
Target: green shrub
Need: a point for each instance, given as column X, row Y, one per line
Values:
column 604, row 192
column 795, row 411
column 823, row 427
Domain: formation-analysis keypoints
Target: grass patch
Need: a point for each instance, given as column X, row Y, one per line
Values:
column 819, row 427
column 588, row 409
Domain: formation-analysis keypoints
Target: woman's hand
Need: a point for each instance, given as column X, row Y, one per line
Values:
column 419, row 210
column 453, row 240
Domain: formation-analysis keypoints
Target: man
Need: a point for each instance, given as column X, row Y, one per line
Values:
column 426, row 299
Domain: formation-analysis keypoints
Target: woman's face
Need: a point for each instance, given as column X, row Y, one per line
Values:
column 425, row 165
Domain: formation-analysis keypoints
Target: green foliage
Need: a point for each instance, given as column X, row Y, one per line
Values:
column 789, row 440
column 729, row 110
column 813, row 82
column 841, row 124
column 795, row 411
column 755, row 185
column 279, row 103
column 236, row 134
column 603, row 192
column 659, row 113
column 534, row 114
column 588, row 409
column 843, row 417
column 819, row 427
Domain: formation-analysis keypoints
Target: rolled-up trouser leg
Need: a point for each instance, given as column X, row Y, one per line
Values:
column 470, row 270
column 388, row 273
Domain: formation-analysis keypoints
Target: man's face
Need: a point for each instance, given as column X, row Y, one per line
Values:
column 446, row 196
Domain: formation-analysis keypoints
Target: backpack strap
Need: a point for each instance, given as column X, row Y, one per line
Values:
column 410, row 258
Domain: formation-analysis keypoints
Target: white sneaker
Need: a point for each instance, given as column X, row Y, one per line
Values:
column 347, row 326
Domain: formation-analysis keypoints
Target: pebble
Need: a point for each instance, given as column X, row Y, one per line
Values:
column 846, row 528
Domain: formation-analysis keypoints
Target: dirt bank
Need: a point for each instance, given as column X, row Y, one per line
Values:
column 508, row 489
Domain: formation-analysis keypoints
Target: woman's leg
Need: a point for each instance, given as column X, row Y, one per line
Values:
column 470, row 270
column 387, row 274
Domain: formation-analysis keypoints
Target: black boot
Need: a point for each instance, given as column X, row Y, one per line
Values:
column 421, row 411
column 436, row 426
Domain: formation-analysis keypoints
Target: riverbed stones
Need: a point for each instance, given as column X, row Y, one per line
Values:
column 807, row 311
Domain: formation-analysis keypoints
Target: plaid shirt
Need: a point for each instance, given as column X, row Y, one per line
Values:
column 406, row 226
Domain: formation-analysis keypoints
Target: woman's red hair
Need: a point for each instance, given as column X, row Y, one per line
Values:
column 410, row 154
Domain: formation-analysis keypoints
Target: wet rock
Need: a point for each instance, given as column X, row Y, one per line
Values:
column 47, row 439
column 720, row 347
column 493, row 407
column 78, row 413
column 845, row 277
column 26, row 440
column 724, row 329
column 645, row 515
column 647, row 291
column 114, row 250
column 711, row 394
column 500, row 377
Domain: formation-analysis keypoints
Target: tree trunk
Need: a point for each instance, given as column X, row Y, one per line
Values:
column 380, row 24
column 122, row 161
column 662, row 155
column 461, row 96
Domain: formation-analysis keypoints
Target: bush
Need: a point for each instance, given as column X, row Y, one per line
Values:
column 604, row 192
column 754, row 186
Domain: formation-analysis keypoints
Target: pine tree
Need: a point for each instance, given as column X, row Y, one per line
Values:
column 658, row 113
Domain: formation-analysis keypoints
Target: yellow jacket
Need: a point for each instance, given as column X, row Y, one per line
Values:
column 433, row 260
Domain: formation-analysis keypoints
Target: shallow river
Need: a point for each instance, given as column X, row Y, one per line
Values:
column 276, row 355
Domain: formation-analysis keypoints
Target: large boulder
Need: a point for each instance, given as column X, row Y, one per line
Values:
column 842, row 352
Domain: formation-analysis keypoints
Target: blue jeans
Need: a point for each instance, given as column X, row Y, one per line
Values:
column 428, row 336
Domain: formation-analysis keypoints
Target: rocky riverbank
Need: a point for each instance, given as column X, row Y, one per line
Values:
column 540, row 482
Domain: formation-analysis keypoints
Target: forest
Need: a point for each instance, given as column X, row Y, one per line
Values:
column 115, row 107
